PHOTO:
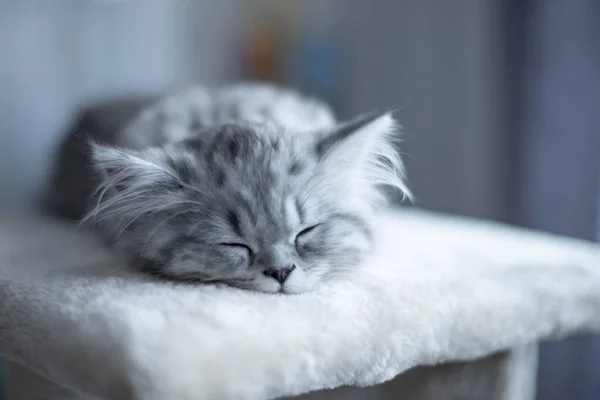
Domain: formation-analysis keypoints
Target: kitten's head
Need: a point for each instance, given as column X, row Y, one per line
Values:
column 249, row 204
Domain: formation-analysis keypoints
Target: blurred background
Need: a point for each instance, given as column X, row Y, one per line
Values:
column 499, row 100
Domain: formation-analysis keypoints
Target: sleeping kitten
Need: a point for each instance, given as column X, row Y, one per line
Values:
column 261, row 203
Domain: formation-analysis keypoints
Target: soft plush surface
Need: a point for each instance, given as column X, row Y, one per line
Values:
column 504, row 376
column 439, row 289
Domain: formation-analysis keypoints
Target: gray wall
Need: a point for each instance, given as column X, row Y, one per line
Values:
column 559, row 143
column 59, row 54
column 439, row 62
column 436, row 61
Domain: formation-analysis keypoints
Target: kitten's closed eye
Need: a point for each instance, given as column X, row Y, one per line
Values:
column 305, row 234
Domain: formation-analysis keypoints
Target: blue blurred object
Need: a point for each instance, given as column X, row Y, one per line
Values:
column 315, row 66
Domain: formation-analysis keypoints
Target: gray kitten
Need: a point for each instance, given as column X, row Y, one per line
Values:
column 256, row 202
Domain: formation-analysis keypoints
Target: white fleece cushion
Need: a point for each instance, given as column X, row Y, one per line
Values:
column 439, row 289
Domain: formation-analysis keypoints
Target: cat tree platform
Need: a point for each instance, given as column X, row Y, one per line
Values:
column 447, row 308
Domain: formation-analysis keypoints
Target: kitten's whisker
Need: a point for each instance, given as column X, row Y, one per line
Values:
column 193, row 188
column 155, row 230
column 194, row 227
column 192, row 202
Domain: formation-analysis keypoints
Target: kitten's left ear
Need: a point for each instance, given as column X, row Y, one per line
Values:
column 366, row 147
column 121, row 169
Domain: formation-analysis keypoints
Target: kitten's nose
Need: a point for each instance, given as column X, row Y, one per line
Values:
column 280, row 275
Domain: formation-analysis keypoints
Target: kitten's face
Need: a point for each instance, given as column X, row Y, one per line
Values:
column 245, row 204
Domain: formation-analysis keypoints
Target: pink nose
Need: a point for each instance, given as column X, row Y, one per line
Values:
column 280, row 275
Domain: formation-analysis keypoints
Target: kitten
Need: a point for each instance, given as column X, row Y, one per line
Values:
column 261, row 203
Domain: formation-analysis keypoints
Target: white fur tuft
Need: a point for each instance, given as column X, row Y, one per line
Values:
column 384, row 165
column 365, row 150
column 128, row 187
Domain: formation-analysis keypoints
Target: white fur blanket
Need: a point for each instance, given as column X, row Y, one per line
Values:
column 439, row 289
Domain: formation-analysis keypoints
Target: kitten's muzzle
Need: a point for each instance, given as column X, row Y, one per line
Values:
column 280, row 275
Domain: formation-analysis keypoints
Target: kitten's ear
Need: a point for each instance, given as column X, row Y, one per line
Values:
column 122, row 169
column 365, row 147
column 356, row 138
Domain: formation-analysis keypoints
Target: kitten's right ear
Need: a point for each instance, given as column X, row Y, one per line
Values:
column 364, row 148
column 121, row 168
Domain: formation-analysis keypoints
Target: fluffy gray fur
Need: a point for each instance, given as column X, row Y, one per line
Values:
column 254, row 202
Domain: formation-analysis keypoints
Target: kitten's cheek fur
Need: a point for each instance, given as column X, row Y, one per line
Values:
column 299, row 282
column 265, row 284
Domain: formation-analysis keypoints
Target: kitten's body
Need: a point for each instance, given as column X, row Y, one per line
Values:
column 181, row 115
column 250, row 185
